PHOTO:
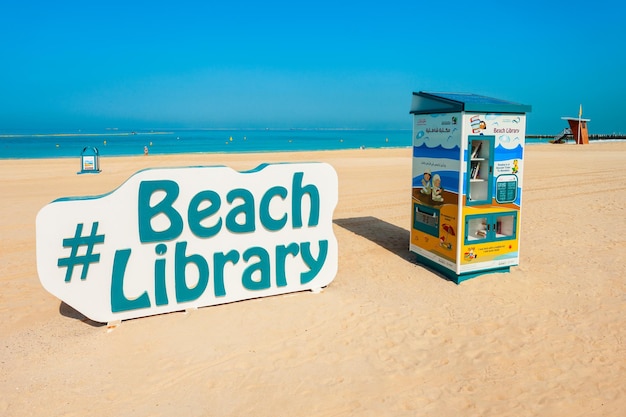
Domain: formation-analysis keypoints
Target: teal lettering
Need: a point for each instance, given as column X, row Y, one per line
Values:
column 264, row 209
column 219, row 263
column 146, row 212
column 315, row 265
column 298, row 192
column 246, row 209
column 160, row 291
column 281, row 259
column 262, row 268
column 119, row 302
column 196, row 216
column 183, row 292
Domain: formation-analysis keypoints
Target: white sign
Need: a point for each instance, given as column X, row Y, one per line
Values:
column 177, row 238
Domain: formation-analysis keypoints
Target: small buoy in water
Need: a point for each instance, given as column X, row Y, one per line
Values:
column 231, row 139
column 105, row 143
column 57, row 145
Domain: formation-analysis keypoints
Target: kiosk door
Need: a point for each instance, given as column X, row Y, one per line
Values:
column 480, row 169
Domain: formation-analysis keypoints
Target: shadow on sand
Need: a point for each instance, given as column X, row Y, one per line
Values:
column 69, row 311
column 389, row 236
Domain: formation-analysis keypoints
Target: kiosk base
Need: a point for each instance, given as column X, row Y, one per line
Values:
column 454, row 277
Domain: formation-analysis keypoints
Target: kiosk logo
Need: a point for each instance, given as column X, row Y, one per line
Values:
column 177, row 238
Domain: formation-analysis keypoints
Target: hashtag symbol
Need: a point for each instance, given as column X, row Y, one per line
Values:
column 77, row 242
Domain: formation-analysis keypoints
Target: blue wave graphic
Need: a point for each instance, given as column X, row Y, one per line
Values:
column 437, row 152
column 503, row 154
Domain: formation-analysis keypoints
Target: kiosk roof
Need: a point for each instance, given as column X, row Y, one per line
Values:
column 424, row 102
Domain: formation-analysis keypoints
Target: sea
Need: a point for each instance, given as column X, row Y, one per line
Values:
column 115, row 142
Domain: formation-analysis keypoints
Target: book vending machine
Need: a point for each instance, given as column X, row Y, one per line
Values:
column 468, row 154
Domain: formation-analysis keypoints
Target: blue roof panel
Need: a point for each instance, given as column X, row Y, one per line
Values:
column 437, row 102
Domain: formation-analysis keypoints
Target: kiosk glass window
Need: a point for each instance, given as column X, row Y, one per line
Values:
column 477, row 229
column 505, row 226
column 479, row 169
column 490, row 227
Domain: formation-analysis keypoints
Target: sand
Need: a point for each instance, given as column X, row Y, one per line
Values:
column 386, row 338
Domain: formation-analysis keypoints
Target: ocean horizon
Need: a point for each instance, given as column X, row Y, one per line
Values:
column 117, row 142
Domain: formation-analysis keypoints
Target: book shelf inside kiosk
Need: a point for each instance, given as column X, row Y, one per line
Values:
column 479, row 169
column 477, row 228
column 490, row 227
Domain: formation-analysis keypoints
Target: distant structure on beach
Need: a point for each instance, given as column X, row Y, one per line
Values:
column 577, row 129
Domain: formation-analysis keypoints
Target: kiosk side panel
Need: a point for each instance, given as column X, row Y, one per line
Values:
column 435, row 187
column 491, row 207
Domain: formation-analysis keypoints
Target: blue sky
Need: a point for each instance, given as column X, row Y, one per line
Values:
column 70, row 65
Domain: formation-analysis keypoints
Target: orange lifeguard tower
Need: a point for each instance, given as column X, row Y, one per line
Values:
column 579, row 130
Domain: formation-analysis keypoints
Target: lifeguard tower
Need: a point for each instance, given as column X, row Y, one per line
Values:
column 578, row 129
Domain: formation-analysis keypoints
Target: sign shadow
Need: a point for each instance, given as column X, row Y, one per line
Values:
column 67, row 310
column 389, row 236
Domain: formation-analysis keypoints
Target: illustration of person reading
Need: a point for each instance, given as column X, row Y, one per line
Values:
column 426, row 185
column 436, row 191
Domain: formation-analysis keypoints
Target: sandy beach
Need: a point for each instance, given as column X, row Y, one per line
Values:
column 388, row 337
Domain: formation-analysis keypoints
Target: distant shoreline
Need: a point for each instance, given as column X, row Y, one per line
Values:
column 620, row 136
column 591, row 137
column 37, row 135
column 121, row 132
